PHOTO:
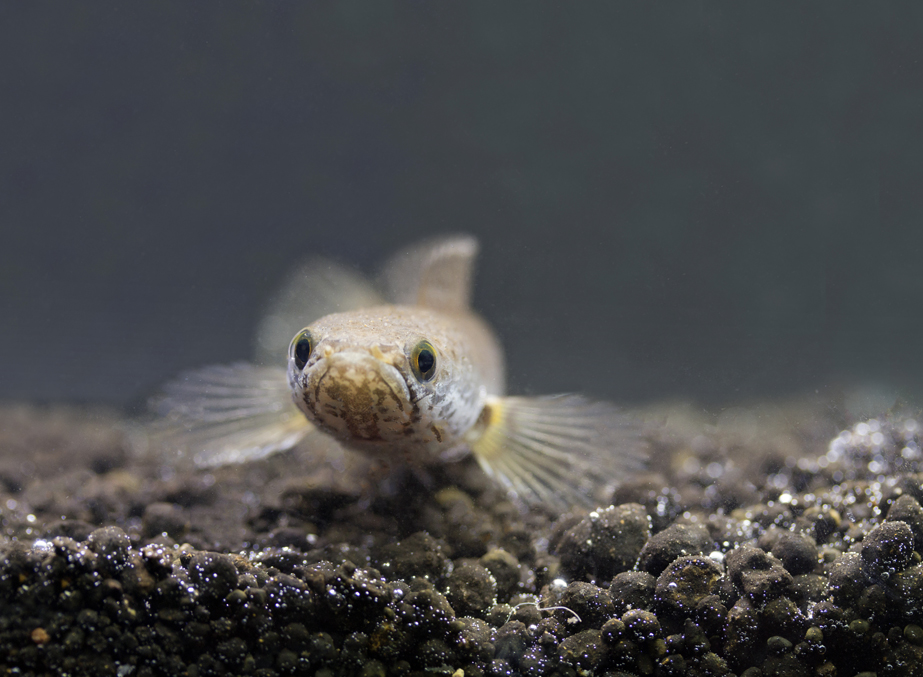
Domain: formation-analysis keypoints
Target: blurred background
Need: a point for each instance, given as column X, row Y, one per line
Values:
column 722, row 204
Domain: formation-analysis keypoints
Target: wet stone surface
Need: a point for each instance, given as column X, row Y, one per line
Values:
column 792, row 548
column 605, row 542
column 675, row 541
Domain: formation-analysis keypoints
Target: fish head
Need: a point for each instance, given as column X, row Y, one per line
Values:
column 389, row 379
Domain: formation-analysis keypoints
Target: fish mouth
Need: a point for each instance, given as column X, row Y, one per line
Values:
column 356, row 396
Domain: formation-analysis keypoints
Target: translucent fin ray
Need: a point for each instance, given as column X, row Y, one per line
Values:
column 561, row 450
column 227, row 414
column 318, row 288
column 435, row 274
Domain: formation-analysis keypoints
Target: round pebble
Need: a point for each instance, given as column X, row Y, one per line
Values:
column 887, row 549
column 471, row 590
column 593, row 604
column 797, row 552
column 686, row 581
column 605, row 542
column 677, row 540
column 757, row 574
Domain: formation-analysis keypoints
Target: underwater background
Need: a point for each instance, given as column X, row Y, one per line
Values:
column 715, row 203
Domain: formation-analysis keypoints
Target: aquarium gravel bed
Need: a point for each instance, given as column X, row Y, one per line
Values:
column 771, row 540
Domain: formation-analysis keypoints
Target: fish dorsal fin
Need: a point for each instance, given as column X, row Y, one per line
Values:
column 315, row 289
column 434, row 274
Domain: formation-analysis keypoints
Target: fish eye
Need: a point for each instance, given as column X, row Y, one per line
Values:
column 423, row 361
column 301, row 347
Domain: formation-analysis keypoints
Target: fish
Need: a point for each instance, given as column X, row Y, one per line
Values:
column 404, row 371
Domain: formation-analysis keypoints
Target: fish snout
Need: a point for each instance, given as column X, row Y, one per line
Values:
column 357, row 397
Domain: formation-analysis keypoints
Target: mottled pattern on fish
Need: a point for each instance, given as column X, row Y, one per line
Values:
column 416, row 381
column 358, row 383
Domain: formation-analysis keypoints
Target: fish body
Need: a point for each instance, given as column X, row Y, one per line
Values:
column 419, row 380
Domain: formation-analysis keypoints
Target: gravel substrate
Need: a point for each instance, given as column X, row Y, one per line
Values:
column 775, row 540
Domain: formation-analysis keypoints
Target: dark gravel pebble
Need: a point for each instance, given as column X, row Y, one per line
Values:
column 474, row 641
column 593, row 605
column 506, row 570
column 214, row 574
column 584, row 651
column 471, row 589
column 675, row 541
column 604, row 543
column 113, row 548
column 846, row 580
column 684, row 583
column 757, row 574
column 907, row 509
column 512, row 641
column 808, row 589
column 418, row 555
column 887, row 549
column 632, row 590
column 821, row 522
column 641, row 626
column 797, row 552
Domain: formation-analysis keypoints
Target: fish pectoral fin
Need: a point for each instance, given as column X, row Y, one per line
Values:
column 317, row 288
column 560, row 450
column 226, row 414
column 434, row 274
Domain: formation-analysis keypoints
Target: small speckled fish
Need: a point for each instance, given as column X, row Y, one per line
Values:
column 419, row 380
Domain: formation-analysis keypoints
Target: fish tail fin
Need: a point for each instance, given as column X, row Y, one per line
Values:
column 560, row 450
column 226, row 414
